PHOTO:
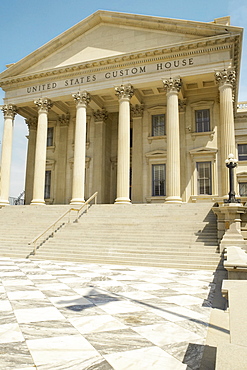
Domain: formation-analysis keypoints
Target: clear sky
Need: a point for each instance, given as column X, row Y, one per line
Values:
column 26, row 25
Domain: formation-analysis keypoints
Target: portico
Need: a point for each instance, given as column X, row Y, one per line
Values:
column 146, row 121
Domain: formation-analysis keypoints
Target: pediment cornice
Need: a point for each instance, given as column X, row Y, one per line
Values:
column 185, row 49
column 135, row 21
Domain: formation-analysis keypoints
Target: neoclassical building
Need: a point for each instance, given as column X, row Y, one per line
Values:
column 139, row 108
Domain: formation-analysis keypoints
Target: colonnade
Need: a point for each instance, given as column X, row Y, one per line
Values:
column 124, row 92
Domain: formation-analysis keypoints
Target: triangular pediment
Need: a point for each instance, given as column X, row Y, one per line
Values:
column 203, row 150
column 110, row 34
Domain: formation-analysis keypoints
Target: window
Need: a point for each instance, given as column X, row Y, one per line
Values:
column 242, row 152
column 47, row 184
column 50, row 131
column 159, row 188
column 243, row 189
column 202, row 119
column 204, row 177
column 158, row 125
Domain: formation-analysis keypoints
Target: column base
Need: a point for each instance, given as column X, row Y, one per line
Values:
column 173, row 199
column 38, row 202
column 77, row 202
column 122, row 200
column 4, row 203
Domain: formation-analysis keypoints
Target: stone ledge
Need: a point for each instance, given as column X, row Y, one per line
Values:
column 236, row 263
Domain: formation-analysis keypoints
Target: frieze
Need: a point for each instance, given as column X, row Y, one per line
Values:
column 81, row 78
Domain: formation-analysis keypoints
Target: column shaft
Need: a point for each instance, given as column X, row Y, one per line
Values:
column 9, row 114
column 173, row 142
column 123, row 165
column 226, row 81
column 78, row 186
column 40, row 152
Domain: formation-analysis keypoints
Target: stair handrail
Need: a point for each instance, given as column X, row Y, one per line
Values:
column 54, row 227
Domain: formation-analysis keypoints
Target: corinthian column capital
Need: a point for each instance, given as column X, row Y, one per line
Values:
column 9, row 111
column 43, row 104
column 137, row 110
column 172, row 84
column 82, row 98
column 100, row 115
column 124, row 91
column 31, row 123
column 227, row 76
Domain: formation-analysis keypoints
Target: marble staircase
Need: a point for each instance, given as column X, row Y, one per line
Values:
column 20, row 224
column 162, row 235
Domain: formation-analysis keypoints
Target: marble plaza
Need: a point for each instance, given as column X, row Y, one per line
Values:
column 59, row 315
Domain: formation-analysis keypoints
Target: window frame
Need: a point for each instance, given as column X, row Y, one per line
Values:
column 47, row 190
column 203, row 121
column 200, row 106
column 209, row 178
column 158, row 125
column 153, row 180
column 242, row 154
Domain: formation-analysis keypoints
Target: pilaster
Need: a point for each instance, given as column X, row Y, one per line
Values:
column 61, row 156
column 137, row 153
column 32, row 132
column 99, row 156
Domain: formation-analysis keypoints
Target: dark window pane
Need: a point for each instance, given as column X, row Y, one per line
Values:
column 50, row 136
column 202, row 118
column 204, row 177
column 242, row 152
column 47, row 184
column 243, row 189
column 158, row 125
column 158, row 179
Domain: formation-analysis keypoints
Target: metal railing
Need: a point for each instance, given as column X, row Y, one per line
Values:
column 65, row 218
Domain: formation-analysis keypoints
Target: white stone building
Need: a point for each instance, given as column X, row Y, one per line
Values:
column 139, row 108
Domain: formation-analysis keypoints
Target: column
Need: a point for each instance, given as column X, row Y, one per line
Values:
column 137, row 154
column 124, row 93
column 32, row 128
column 226, row 82
column 43, row 106
column 78, row 186
column 172, row 87
column 99, row 157
column 9, row 112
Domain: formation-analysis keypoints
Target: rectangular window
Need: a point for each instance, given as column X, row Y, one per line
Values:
column 158, row 125
column 159, row 184
column 243, row 189
column 204, row 177
column 47, row 184
column 50, row 131
column 202, row 118
column 242, row 152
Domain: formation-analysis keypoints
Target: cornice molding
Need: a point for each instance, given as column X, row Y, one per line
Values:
column 198, row 47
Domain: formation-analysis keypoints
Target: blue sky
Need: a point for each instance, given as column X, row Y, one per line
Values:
column 26, row 25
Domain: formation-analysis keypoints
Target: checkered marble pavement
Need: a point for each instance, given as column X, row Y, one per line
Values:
column 61, row 315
